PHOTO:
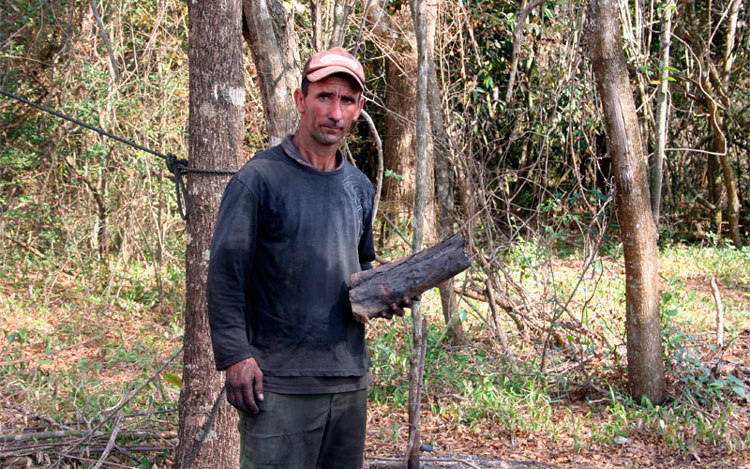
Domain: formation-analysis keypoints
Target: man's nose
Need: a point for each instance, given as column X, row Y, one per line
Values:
column 334, row 112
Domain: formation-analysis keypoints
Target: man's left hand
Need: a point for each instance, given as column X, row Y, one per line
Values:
column 398, row 308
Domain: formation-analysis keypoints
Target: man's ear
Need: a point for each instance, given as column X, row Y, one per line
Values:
column 299, row 100
column 361, row 105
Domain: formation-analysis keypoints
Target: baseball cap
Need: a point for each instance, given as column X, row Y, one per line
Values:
column 335, row 60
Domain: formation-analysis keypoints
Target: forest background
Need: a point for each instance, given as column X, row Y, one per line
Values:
column 525, row 362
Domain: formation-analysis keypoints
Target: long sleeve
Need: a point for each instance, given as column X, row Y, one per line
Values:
column 231, row 262
column 366, row 248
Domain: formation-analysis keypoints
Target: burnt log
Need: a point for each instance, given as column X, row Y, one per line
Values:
column 373, row 291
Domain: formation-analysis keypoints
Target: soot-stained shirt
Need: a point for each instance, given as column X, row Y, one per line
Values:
column 287, row 238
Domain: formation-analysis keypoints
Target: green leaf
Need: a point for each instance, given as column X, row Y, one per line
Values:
column 671, row 79
column 176, row 380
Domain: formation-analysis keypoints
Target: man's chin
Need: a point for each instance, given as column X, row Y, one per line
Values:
column 329, row 139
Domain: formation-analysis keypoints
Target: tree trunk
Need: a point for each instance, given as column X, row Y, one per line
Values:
column 733, row 200
column 217, row 98
column 400, row 105
column 517, row 44
column 275, row 49
column 422, row 196
column 662, row 108
column 715, row 85
column 715, row 189
column 396, row 32
column 443, row 181
column 604, row 48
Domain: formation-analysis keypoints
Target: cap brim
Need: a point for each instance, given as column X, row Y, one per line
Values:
column 318, row 75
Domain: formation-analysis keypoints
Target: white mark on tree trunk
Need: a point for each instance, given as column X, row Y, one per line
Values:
column 236, row 95
column 207, row 255
column 209, row 436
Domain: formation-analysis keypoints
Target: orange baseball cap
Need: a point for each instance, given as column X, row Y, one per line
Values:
column 335, row 60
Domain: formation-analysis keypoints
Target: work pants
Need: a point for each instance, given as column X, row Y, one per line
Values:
column 305, row 431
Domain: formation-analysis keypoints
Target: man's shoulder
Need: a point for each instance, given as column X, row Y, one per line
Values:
column 261, row 161
column 353, row 174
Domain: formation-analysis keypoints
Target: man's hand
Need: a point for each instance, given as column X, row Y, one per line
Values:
column 398, row 308
column 244, row 385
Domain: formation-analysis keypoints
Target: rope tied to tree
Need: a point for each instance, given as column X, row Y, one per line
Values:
column 178, row 167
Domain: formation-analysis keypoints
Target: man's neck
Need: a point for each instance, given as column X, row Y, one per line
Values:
column 319, row 156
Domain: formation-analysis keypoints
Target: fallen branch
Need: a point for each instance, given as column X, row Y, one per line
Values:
column 88, row 422
column 117, row 409
column 110, row 443
column 15, row 437
column 719, row 314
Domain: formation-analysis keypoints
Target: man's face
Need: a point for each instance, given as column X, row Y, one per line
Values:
column 328, row 110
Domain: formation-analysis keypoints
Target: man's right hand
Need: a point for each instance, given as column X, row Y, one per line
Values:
column 244, row 385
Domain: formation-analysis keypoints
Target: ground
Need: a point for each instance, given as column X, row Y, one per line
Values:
column 72, row 352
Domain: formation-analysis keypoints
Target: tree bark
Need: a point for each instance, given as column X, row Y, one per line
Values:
column 443, row 180
column 517, row 44
column 373, row 291
column 400, row 105
column 644, row 349
column 733, row 200
column 422, row 196
column 217, row 98
column 662, row 109
column 275, row 49
column 396, row 30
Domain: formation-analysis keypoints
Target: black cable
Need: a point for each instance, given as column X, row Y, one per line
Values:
column 176, row 166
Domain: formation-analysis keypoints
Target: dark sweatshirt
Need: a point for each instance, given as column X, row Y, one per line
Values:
column 287, row 238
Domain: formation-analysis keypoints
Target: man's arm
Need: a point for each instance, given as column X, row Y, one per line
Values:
column 231, row 261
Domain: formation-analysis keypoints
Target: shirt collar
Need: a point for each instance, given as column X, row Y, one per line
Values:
column 293, row 152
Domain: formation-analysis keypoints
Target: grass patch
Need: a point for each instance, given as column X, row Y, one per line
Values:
column 84, row 343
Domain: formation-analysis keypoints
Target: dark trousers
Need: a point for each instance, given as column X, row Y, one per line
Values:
column 305, row 431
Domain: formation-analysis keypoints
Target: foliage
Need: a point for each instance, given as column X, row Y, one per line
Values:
column 92, row 244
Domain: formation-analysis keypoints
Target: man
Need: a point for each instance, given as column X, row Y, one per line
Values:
column 295, row 222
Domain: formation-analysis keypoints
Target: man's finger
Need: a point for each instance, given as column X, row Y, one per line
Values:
column 258, row 385
column 235, row 398
column 394, row 309
column 249, row 399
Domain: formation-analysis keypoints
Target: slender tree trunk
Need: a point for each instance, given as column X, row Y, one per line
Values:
column 443, row 180
column 715, row 189
column 733, row 200
column 662, row 108
column 316, row 14
column 520, row 27
column 217, row 99
column 341, row 10
column 275, row 49
column 423, row 192
column 715, row 86
column 604, row 48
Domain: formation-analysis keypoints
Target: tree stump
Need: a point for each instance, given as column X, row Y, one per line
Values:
column 371, row 292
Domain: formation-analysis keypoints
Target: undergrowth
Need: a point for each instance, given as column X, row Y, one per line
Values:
column 132, row 323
